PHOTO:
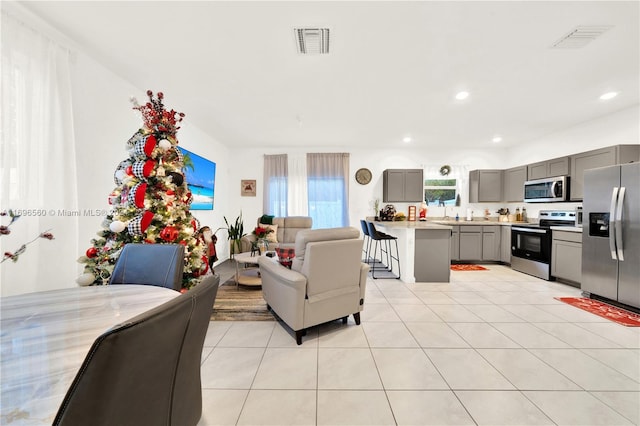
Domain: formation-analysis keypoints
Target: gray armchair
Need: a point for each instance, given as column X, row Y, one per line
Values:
column 161, row 265
column 326, row 282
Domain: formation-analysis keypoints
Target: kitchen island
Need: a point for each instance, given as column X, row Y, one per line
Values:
column 424, row 249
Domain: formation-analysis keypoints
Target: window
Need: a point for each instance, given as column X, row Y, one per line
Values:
column 328, row 189
column 315, row 185
column 440, row 192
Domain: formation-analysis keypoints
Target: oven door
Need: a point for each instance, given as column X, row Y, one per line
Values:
column 531, row 243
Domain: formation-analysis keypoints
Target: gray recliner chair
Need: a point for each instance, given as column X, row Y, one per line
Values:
column 161, row 265
column 145, row 371
column 327, row 279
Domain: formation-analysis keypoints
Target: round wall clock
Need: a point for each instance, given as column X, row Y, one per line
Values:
column 363, row 176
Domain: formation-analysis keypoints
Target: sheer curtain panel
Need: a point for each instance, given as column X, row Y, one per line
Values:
column 328, row 189
column 298, row 205
column 275, row 185
column 37, row 161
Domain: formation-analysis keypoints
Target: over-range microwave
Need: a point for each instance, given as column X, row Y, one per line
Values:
column 547, row 190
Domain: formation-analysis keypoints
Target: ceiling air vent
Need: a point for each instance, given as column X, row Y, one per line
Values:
column 312, row 41
column 580, row 36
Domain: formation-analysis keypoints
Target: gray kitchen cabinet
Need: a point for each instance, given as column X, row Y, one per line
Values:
column 485, row 186
column 491, row 242
column 513, row 184
column 566, row 255
column 470, row 242
column 505, row 244
column 455, row 243
column 549, row 168
column 617, row 154
column 402, row 185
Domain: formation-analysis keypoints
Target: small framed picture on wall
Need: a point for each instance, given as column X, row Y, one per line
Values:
column 248, row 188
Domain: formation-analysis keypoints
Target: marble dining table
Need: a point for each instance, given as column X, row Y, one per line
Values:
column 45, row 337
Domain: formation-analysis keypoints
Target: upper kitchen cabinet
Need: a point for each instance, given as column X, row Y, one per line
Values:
column 513, row 184
column 485, row 186
column 618, row 154
column 402, row 185
column 549, row 168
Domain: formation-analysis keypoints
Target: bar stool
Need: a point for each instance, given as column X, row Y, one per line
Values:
column 367, row 240
column 381, row 237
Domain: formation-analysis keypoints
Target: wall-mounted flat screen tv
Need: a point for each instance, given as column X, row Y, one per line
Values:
column 201, row 179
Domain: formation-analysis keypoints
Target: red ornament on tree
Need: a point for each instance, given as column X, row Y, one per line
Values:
column 169, row 233
column 92, row 252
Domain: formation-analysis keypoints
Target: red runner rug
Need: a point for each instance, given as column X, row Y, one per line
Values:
column 468, row 268
column 609, row 312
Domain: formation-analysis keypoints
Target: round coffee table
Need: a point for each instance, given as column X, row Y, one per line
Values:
column 249, row 276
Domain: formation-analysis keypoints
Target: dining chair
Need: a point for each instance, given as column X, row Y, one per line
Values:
column 145, row 371
column 150, row 264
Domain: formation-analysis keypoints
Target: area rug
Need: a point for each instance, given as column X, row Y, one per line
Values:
column 465, row 267
column 241, row 304
column 603, row 310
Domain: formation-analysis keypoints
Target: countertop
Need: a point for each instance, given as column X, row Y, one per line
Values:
column 436, row 223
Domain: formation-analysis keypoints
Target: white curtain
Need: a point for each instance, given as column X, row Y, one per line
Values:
column 298, row 203
column 37, row 161
column 275, row 185
column 328, row 189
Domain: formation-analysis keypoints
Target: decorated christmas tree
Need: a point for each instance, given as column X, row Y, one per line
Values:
column 151, row 201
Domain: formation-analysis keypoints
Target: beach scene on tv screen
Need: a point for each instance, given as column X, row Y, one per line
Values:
column 201, row 176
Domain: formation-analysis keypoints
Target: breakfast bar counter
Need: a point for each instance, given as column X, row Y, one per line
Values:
column 424, row 249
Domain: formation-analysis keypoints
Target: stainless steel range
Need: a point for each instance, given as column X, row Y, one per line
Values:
column 531, row 244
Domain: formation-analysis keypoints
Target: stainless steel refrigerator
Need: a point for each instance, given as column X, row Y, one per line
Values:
column 611, row 233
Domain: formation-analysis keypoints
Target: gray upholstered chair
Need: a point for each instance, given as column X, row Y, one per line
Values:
column 145, row 371
column 161, row 265
column 327, row 280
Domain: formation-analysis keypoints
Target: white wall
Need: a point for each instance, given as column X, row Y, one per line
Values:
column 619, row 128
column 104, row 122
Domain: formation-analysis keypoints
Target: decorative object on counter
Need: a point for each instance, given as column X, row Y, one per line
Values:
column 467, row 267
column 412, row 213
column 486, row 214
column 399, row 217
column 423, row 211
column 518, row 215
column 445, row 170
column 469, row 215
column 376, row 207
column 388, row 213
column 603, row 310
column 523, row 216
column 363, row 176
column 503, row 214
column 457, row 217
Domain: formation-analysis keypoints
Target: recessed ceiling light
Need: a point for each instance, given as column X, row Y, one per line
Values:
column 496, row 139
column 608, row 95
column 406, row 139
column 462, row 95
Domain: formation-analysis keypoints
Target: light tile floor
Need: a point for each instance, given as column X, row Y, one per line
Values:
column 489, row 348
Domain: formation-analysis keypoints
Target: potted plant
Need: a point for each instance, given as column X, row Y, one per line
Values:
column 235, row 233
